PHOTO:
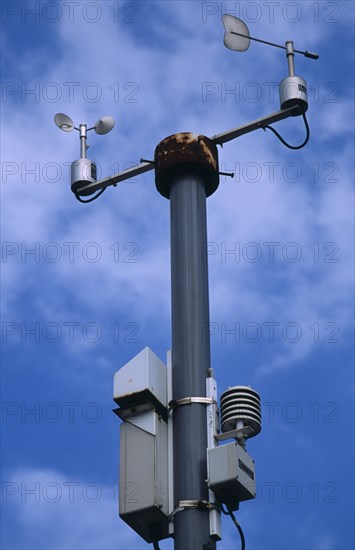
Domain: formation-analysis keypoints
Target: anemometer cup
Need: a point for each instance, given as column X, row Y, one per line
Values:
column 83, row 172
column 293, row 92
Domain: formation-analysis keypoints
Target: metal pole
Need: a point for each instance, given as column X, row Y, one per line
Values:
column 190, row 356
column 190, row 335
column 82, row 141
column 290, row 57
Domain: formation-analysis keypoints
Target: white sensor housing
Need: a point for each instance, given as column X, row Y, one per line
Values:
column 293, row 91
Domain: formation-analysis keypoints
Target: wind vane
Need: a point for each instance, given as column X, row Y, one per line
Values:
column 237, row 38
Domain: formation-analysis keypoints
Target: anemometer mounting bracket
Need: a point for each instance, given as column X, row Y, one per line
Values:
column 88, row 188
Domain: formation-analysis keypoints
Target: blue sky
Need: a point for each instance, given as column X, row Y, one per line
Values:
column 86, row 287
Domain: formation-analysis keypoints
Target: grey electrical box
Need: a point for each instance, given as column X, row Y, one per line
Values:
column 231, row 474
column 141, row 384
column 143, row 502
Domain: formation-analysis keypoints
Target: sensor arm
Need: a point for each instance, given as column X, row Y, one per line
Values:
column 310, row 55
column 219, row 139
column 117, row 178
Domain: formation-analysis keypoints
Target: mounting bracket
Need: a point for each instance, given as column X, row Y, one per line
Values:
column 218, row 139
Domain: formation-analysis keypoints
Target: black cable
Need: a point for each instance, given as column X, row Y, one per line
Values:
column 229, row 512
column 285, row 142
column 156, row 545
column 78, row 197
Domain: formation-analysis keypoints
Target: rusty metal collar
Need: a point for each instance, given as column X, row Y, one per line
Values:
column 186, row 153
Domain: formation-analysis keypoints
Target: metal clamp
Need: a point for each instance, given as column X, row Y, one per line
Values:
column 189, row 400
column 197, row 504
column 239, row 433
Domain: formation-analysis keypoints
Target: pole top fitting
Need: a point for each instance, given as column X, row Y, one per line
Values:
column 186, row 153
column 289, row 47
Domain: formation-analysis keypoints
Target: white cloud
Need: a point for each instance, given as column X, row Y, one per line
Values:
column 170, row 84
column 62, row 512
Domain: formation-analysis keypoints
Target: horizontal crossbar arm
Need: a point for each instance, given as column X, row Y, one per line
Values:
column 224, row 137
column 117, row 178
column 219, row 139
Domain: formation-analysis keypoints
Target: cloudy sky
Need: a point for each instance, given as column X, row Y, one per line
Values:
column 86, row 287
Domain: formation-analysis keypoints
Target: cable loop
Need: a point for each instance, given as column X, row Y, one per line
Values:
column 78, row 197
column 308, row 133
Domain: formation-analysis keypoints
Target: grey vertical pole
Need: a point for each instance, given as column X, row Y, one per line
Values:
column 83, row 128
column 187, row 171
column 290, row 57
column 190, row 355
